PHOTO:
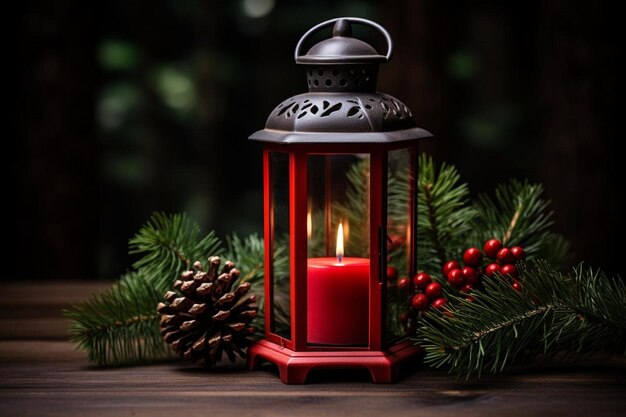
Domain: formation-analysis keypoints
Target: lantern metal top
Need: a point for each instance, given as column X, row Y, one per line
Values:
column 342, row 105
column 342, row 47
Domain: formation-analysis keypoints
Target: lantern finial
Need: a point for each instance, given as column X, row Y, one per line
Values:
column 342, row 28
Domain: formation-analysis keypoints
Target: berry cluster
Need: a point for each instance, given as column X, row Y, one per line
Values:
column 403, row 283
column 505, row 259
column 468, row 277
column 427, row 293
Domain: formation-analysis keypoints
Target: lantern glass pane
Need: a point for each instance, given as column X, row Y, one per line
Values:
column 400, row 204
column 338, row 278
column 280, row 322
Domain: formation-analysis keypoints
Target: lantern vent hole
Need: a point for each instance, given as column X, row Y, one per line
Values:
column 357, row 78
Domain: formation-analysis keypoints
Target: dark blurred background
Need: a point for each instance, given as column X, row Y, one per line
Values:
column 127, row 107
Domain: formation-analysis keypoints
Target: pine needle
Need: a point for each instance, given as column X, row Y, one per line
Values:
column 169, row 244
column 248, row 254
column 444, row 216
column 518, row 216
column 580, row 313
column 119, row 326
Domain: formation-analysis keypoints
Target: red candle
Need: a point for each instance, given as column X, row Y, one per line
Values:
column 338, row 299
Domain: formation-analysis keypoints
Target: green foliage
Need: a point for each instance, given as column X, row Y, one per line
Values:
column 399, row 185
column 355, row 209
column 248, row 254
column 578, row 313
column 519, row 216
column 444, row 216
column 581, row 312
column 170, row 243
column 120, row 326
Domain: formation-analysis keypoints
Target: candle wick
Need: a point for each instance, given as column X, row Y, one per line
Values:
column 339, row 258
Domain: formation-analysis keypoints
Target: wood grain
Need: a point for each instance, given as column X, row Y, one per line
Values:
column 51, row 378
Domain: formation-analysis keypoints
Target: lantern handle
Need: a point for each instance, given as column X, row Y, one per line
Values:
column 365, row 22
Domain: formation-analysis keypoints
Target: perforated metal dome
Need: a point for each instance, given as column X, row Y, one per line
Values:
column 342, row 105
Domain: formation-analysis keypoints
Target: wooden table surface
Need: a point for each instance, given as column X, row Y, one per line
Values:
column 42, row 374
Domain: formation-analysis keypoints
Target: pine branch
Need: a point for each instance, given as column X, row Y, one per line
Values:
column 399, row 186
column 120, row 326
column 356, row 206
column 518, row 216
column 169, row 244
column 444, row 218
column 356, row 209
column 248, row 254
column 580, row 313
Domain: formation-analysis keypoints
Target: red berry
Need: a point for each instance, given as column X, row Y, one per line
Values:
column 469, row 275
column 467, row 288
column 455, row 277
column 404, row 317
column 420, row 302
column 392, row 273
column 518, row 253
column 403, row 283
column 509, row 269
column 472, row 257
column 421, row 280
column 450, row 265
column 505, row 256
column 517, row 286
column 397, row 240
column 439, row 302
column 433, row 290
column 492, row 269
column 491, row 248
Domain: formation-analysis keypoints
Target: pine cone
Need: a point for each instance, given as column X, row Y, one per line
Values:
column 208, row 318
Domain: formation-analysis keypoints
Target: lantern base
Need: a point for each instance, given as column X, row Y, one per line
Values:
column 293, row 367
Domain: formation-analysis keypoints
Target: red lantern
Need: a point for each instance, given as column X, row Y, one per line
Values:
column 339, row 183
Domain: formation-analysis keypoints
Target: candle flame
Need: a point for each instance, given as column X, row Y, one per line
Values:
column 309, row 224
column 339, row 250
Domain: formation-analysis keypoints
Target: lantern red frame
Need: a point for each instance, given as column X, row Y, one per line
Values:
column 295, row 357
